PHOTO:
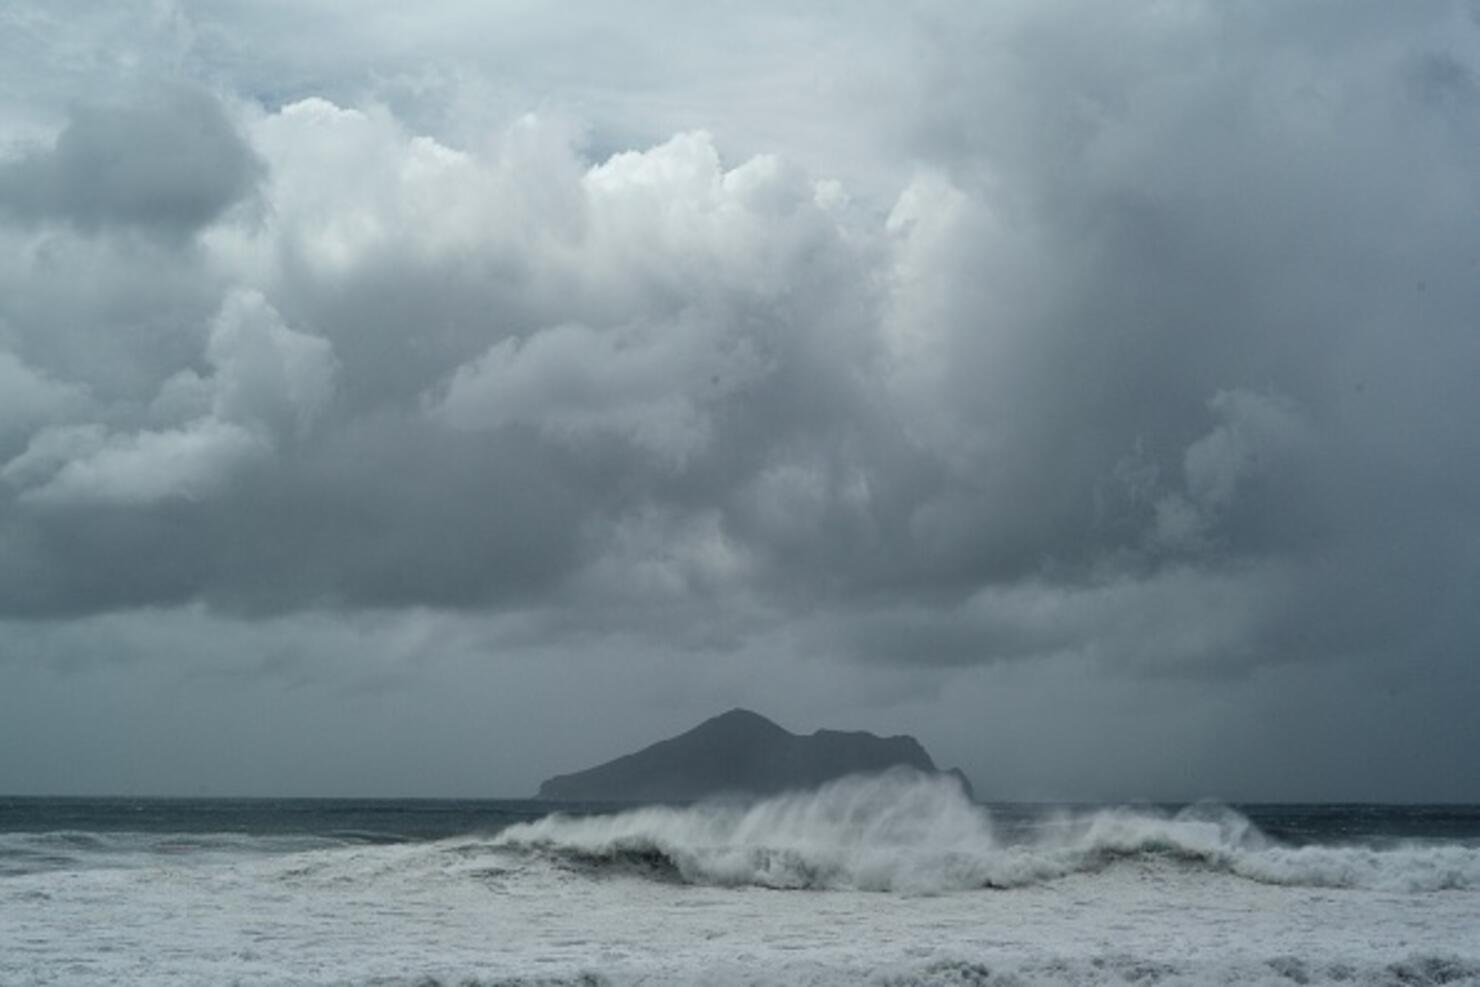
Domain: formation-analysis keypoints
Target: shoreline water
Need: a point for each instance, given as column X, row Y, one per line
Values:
column 876, row 881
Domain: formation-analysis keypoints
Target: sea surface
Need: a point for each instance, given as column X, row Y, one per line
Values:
column 893, row 880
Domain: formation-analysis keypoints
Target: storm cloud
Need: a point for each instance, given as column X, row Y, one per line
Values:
column 167, row 160
column 941, row 370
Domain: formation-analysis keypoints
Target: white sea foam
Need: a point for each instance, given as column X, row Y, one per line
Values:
column 1108, row 971
column 683, row 896
column 906, row 831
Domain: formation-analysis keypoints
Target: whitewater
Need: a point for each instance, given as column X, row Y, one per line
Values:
column 891, row 880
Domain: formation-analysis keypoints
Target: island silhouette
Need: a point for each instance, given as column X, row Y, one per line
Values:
column 740, row 753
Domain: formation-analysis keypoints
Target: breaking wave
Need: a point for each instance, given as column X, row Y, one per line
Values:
column 909, row 832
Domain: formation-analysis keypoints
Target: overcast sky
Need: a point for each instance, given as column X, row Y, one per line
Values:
column 426, row 399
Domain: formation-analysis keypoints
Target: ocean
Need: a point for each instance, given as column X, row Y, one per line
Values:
column 895, row 880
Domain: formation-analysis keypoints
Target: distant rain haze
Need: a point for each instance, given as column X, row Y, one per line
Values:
column 428, row 405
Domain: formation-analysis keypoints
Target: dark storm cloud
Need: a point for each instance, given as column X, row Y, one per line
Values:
column 167, row 159
column 514, row 344
column 1007, row 337
column 1074, row 375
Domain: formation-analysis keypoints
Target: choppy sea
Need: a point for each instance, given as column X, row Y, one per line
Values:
column 894, row 880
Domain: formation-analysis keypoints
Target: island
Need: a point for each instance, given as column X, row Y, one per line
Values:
column 740, row 753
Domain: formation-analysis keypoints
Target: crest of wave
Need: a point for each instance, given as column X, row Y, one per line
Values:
column 912, row 832
column 897, row 831
column 902, row 830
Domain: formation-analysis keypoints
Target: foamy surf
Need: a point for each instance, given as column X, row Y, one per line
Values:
column 1115, row 970
column 904, row 831
column 906, row 883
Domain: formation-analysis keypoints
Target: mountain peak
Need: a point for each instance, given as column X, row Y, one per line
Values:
column 740, row 713
column 740, row 718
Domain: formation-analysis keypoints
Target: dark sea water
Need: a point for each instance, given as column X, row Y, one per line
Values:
column 893, row 881
column 399, row 820
column 368, row 819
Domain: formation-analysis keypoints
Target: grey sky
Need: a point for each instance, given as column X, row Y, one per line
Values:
column 404, row 402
